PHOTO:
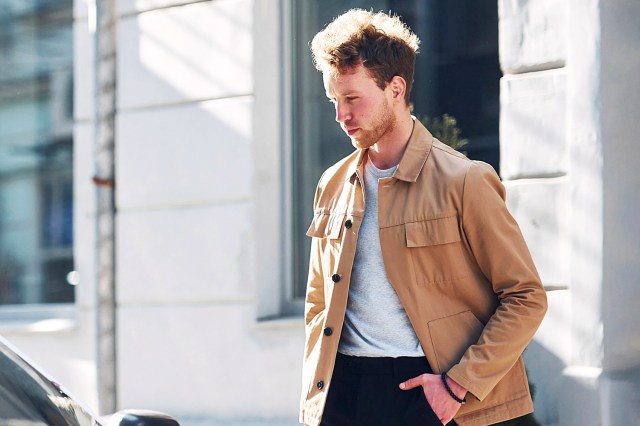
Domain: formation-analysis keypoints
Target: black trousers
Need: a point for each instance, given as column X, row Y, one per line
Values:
column 365, row 392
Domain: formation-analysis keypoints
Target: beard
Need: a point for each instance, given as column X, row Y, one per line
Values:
column 382, row 121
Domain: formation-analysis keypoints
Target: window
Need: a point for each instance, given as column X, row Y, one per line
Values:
column 36, row 151
column 457, row 73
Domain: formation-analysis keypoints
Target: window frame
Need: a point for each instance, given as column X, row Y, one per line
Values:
column 275, row 59
column 272, row 142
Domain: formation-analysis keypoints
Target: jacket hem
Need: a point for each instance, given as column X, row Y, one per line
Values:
column 499, row 413
column 309, row 420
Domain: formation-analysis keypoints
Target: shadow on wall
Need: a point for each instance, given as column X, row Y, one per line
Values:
column 545, row 374
column 558, row 204
column 188, row 53
column 185, row 255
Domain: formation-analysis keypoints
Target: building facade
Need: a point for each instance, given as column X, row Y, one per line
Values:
column 220, row 135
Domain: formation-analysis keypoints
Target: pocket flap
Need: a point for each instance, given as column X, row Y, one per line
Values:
column 325, row 225
column 432, row 232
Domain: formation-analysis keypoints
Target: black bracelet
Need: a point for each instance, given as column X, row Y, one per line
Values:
column 443, row 376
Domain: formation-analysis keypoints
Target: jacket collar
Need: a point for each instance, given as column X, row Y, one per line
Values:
column 412, row 161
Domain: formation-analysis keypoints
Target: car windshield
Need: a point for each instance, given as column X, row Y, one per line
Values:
column 27, row 398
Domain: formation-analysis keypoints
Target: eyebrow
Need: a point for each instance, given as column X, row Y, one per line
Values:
column 347, row 94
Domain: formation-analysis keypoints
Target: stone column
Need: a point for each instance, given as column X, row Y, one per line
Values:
column 620, row 128
column 579, row 398
column 569, row 119
column 535, row 167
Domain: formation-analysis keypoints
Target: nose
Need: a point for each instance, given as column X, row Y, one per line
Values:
column 342, row 112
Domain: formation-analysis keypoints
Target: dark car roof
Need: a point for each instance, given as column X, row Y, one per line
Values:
column 28, row 397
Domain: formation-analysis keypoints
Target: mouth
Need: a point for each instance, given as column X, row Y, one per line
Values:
column 351, row 132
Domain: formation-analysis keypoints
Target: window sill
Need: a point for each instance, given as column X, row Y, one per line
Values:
column 295, row 323
column 33, row 319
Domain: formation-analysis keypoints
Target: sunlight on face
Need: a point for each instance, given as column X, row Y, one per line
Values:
column 362, row 108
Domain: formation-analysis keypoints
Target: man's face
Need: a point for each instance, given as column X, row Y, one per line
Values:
column 362, row 108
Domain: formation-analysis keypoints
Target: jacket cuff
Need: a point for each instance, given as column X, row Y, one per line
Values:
column 478, row 392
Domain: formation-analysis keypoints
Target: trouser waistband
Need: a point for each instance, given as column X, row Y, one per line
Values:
column 381, row 365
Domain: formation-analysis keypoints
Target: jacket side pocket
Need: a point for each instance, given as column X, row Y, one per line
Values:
column 451, row 336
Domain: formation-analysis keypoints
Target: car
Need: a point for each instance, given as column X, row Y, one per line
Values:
column 29, row 397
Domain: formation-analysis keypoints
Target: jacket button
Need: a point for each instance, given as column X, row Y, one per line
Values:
column 335, row 278
column 348, row 224
column 320, row 384
column 328, row 331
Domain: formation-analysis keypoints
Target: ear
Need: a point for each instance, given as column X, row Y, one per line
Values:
column 398, row 87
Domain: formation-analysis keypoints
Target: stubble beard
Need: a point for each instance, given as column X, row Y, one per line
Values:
column 384, row 121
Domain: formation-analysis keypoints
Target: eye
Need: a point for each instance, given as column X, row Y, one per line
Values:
column 351, row 98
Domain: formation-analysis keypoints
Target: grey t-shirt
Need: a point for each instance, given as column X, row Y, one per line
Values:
column 375, row 324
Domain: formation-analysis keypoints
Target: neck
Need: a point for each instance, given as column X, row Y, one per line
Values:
column 388, row 151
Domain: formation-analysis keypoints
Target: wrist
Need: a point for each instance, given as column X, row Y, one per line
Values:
column 456, row 391
column 459, row 390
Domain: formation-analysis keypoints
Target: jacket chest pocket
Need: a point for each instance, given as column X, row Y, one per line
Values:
column 326, row 225
column 435, row 248
column 328, row 228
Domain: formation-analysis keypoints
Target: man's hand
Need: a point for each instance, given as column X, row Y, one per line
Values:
column 437, row 396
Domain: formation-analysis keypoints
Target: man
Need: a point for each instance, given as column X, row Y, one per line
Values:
column 422, row 294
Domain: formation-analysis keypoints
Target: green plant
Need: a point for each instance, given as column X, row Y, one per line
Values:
column 445, row 129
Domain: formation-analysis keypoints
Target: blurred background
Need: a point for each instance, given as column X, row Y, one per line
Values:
column 158, row 160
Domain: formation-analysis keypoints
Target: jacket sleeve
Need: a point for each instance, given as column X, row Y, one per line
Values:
column 503, row 257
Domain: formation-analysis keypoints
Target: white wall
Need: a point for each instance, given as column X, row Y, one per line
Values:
column 191, row 284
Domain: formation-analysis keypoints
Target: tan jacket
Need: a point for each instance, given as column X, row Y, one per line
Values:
column 456, row 259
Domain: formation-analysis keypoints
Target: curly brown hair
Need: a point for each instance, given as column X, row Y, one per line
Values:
column 380, row 42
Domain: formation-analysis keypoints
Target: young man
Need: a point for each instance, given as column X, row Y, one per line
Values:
column 422, row 294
